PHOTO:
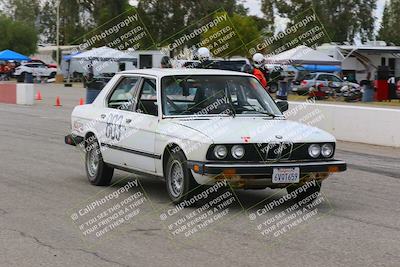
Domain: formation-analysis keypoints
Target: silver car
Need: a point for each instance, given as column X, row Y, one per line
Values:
column 321, row 79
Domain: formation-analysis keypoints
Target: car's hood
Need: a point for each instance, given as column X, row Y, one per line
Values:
column 254, row 130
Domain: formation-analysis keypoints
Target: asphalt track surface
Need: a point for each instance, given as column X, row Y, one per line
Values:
column 42, row 179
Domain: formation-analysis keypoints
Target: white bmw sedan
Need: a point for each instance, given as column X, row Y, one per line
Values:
column 195, row 127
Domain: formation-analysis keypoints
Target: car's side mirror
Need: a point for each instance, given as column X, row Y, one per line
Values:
column 282, row 105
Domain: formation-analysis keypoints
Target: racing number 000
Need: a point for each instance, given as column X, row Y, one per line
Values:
column 114, row 127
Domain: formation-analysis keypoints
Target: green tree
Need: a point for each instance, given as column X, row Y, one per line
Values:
column 388, row 31
column 267, row 8
column 343, row 19
column 47, row 22
column 164, row 18
column 245, row 30
column 103, row 11
column 22, row 10
column 17, row 36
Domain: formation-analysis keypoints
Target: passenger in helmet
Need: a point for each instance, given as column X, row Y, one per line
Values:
column 247, row 68
column 259, row 63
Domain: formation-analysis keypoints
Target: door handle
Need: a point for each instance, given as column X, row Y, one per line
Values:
column 128, row 120
column 103, row 116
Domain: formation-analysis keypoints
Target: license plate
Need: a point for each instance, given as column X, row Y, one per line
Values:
column 285, row 175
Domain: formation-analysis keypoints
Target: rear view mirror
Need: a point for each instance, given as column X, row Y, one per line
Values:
column 282, row 105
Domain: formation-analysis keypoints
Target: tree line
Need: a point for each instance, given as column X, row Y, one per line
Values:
column 24, row 23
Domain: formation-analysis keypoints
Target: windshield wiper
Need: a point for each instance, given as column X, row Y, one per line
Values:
column 261, row 112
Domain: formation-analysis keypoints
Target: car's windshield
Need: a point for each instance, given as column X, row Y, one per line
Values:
column 215, row 94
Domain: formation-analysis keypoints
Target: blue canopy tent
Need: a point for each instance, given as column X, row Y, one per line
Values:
column 322, row 68
column 68, row 58
column 11, row 55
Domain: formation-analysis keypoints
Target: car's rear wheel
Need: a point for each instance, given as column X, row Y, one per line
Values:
column 98, row 172
column 179, row 180
column 311, row 191
column 21, row 77
column 52, row 75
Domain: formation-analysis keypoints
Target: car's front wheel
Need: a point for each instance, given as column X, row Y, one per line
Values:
column 179, row 180
column 98, row 172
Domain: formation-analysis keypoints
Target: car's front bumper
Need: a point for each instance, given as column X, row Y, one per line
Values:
column 265, row 169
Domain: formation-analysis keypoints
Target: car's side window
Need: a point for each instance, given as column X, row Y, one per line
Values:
column 147, row 102
column 323, row 77
column 123, row 95
column 333, row 78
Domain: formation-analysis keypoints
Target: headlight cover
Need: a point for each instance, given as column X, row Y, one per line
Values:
column 314, row 150
column 237, row 151
column 220, row 151
column 327, row 150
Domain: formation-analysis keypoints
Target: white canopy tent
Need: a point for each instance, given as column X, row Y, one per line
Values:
column 101, row 61
column 302, row 55
column 103, row 54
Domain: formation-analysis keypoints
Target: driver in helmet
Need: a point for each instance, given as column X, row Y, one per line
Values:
column 204, row 56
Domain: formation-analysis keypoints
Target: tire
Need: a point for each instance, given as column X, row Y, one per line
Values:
column 21, row 77
column 52, row 75
column 97, row 173
column 178, row 178
column 309, row 192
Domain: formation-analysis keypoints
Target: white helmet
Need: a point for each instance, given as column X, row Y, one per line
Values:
column 203, row 53
column 258, row 59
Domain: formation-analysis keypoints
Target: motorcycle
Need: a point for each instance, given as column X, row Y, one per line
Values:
column 351, row 94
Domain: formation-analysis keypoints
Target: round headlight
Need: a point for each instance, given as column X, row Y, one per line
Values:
column 237, row 151
column 220, row 151
column 327, row 150
column 314, row 150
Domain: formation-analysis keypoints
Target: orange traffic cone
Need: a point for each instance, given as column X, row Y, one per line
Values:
column 38, row 95
column 58, row 102
column 81, row 102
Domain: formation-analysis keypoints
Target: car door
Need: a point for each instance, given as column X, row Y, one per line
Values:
column 32, row 68
column 322, row 79
column 117, row 111
column 336, row 82
column 41, row 70
column 141, row 128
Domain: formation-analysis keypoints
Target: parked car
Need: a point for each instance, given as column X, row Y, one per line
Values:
column 35, row 60
column 321, row 80
column 197, row 127
column 36, row 69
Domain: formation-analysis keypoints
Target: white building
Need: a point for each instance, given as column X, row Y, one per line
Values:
column 358, row 60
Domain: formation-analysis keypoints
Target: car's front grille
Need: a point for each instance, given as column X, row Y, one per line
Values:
column 270, row 152
column 275, row 151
